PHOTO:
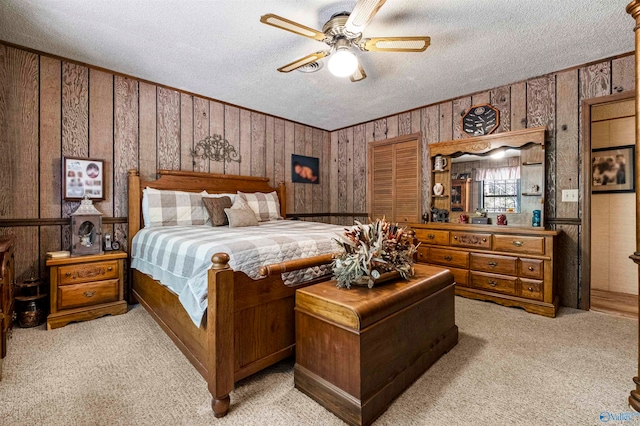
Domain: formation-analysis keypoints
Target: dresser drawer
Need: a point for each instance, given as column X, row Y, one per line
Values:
column 460, row 276
column 518, row 244
column 422, row 254
column 532, row 268
column 532, row 289
column 88, row 294
column 429, row 236
column 469, row 239
column 86, row 272
column 446, row 257
column 496, row 264
column 491, row 282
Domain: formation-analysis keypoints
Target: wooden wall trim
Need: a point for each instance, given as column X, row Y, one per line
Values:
column 328, row 215
column 563, row 221
column 7, row 223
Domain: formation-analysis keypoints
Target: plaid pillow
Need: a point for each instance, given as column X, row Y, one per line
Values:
column 265, row 206
column 173, row 208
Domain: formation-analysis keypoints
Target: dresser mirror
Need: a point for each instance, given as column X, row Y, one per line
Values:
column 501, row 174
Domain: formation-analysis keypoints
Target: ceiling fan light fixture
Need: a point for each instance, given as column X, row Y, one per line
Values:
column 343, row 63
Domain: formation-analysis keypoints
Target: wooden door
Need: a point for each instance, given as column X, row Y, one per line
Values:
column 394, row 179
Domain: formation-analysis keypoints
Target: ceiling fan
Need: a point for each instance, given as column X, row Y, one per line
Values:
column 342, row 33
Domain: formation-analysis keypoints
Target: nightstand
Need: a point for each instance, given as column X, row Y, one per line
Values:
column 86, row 287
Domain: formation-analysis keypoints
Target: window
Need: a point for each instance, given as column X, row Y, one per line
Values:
column 501, row 195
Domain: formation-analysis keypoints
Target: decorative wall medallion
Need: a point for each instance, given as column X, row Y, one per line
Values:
column 215, row 148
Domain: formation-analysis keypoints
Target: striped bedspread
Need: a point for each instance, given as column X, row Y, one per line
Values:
column 180, row 256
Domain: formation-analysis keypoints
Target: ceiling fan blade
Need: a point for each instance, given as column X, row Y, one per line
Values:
column 395, row 44
column 359, row 75
column 362, row 14
column 294, row 27
column 303, row 61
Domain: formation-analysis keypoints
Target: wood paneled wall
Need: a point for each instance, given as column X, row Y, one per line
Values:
column 552, row 100
column 50, row 108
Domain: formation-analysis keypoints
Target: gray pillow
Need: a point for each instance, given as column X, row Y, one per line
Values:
column 215, row 207
column 241, row 217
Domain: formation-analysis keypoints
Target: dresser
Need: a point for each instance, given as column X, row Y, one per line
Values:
column 86, row 287
column 507, row 265
column 7, row 280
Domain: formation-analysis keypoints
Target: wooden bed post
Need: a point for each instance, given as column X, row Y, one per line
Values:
column 220, row 315
column 133, row 225
column 282, row 195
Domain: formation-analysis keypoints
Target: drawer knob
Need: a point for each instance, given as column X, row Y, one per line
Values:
column 68, row 274
column 518, row 243
column 431, row 236
column 455, row 237
column 484, row 240
column 420, row 254
column 530, row 288
column 89, row 293
column 492, row 283
column 110, row 268
column 492, row 264
column 530, row 268
column 447, row 257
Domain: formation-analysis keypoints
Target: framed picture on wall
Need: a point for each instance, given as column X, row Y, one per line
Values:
column 305, row 169
column 82, row 176
column 613, row 169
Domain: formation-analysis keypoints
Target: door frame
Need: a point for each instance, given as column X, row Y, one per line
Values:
column 584, row 299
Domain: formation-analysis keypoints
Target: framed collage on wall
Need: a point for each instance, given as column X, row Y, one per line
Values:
column 82, row 177
column 613, row 169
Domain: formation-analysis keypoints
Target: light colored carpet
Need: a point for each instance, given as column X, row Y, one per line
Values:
column 509, row 368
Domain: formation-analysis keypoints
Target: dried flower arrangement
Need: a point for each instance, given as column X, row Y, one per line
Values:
column 371, row 250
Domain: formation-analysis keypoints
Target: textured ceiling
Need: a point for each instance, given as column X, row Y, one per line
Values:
column 220, row 49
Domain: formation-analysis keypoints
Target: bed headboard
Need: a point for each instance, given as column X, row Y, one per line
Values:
column 194, row 182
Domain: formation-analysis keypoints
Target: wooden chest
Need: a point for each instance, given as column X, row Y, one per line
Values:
column 358, row 349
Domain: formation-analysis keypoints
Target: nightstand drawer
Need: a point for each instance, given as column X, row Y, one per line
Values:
column 518, row 244
column 428, row 236
column 449, row 257
column 495, row 264
column 499, row 283
column 88, row 294
column 86, row 272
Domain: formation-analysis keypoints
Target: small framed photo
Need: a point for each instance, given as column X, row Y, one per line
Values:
column 305, row 169
column 82, row 176
column 613, row 169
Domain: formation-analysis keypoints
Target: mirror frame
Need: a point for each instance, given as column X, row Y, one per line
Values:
column 481, row 145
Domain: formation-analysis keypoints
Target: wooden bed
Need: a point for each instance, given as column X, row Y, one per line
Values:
column 249, row 324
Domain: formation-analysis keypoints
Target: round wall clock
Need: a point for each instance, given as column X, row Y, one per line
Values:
column 480, row 120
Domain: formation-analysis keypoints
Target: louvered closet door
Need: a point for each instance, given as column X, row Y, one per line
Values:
column 395, row 180
column 407, row 186
column 382, row 200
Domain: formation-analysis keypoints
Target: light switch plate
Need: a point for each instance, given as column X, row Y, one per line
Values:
column 570, row 195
